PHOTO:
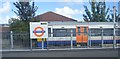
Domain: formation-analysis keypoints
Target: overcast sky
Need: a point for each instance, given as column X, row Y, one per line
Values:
column 70, row 8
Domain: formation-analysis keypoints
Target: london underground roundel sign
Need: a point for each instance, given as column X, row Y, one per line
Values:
column 38, row 30
column 42, row 31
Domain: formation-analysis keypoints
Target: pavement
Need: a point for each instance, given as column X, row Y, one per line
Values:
column 89, row 52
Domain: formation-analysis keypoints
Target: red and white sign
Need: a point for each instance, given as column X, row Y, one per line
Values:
column 38, row 30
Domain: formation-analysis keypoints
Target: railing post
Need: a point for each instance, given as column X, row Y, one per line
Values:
column 101, row 36
column 47, row 41
column 71, row 39
column 88, row 38
column 11, row 39
column 42, row 43
column 31, row 44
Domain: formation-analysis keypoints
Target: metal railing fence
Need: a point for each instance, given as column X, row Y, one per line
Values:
column 96, row 39
column 15, row 40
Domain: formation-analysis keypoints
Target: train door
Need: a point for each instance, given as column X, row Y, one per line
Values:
column 81, row 35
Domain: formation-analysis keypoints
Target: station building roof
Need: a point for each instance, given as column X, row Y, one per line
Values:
column 52, row 16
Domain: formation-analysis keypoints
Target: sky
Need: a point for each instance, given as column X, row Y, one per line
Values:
column 68, row 8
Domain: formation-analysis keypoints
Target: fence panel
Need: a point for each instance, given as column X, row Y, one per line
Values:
column 6, row 43
column 21, row 40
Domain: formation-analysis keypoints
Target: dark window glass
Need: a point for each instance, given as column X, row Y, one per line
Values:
column 63, row 32
column 74, row 31
column 59, row 32
column 108, row 32
column 5, row 35
column 78, row 30
column 95, row 32
column 49, row 32
column 118, row 32
column 85, row 29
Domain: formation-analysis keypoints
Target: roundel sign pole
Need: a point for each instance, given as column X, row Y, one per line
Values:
column 38, row 30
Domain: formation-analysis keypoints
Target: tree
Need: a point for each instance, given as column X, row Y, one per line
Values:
column 116, row 16
column 26, row 13
column 98, row 12
column 20, row 26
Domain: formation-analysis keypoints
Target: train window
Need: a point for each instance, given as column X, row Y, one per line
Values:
column 108, row 32
column 95, row 32
column 118, row 32
column 78, row 30
column 74, row 31
column 85, row 29
column 49, row 32
column 63, row 32
column 59, row 32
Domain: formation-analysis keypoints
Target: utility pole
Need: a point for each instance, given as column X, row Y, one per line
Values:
column 114, row 11
column 71, row 39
